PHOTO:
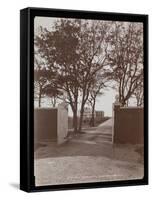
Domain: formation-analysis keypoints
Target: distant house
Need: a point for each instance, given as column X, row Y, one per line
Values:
column 87, row 113
column 98, row 115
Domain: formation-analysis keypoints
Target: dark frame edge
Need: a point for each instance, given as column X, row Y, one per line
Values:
column 82, row 12
column 146, row 101
column 24, row 96
column 23, row 101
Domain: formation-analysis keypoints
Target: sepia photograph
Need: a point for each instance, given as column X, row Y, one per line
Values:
column 88, row 100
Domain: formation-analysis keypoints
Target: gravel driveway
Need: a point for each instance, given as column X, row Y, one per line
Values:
column 89, row 157
column 76, row 162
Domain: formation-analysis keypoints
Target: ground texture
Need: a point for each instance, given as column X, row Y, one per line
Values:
column 88, row 157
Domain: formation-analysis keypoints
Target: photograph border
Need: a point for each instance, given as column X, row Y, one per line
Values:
column 27, row 15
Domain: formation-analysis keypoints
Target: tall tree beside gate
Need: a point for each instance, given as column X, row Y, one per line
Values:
column 77, row 51
column 95, row 91
column 93, row 57
column 139, row 92
column 126, row 57
column 59, row 50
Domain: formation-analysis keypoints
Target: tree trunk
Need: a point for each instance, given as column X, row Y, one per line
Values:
column 40, row 95
column 81, row 116
column 123, row 102
column 84, row 99
column 54, row 102
column 75, row 121
column 92, row 121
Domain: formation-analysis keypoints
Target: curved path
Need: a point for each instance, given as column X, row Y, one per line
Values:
column 99, row 134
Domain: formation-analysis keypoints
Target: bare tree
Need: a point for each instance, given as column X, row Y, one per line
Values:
column 126, row 57
column 40, row 80
column 51, row 90
column 59, row 49
column 139, row 93
column 44, row 81
column 94, row 93
column 76, row 50
column 93, row 57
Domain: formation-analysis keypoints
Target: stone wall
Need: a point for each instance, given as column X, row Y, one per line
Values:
column 45, row 125
column 128, row 125
column 50, row 124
